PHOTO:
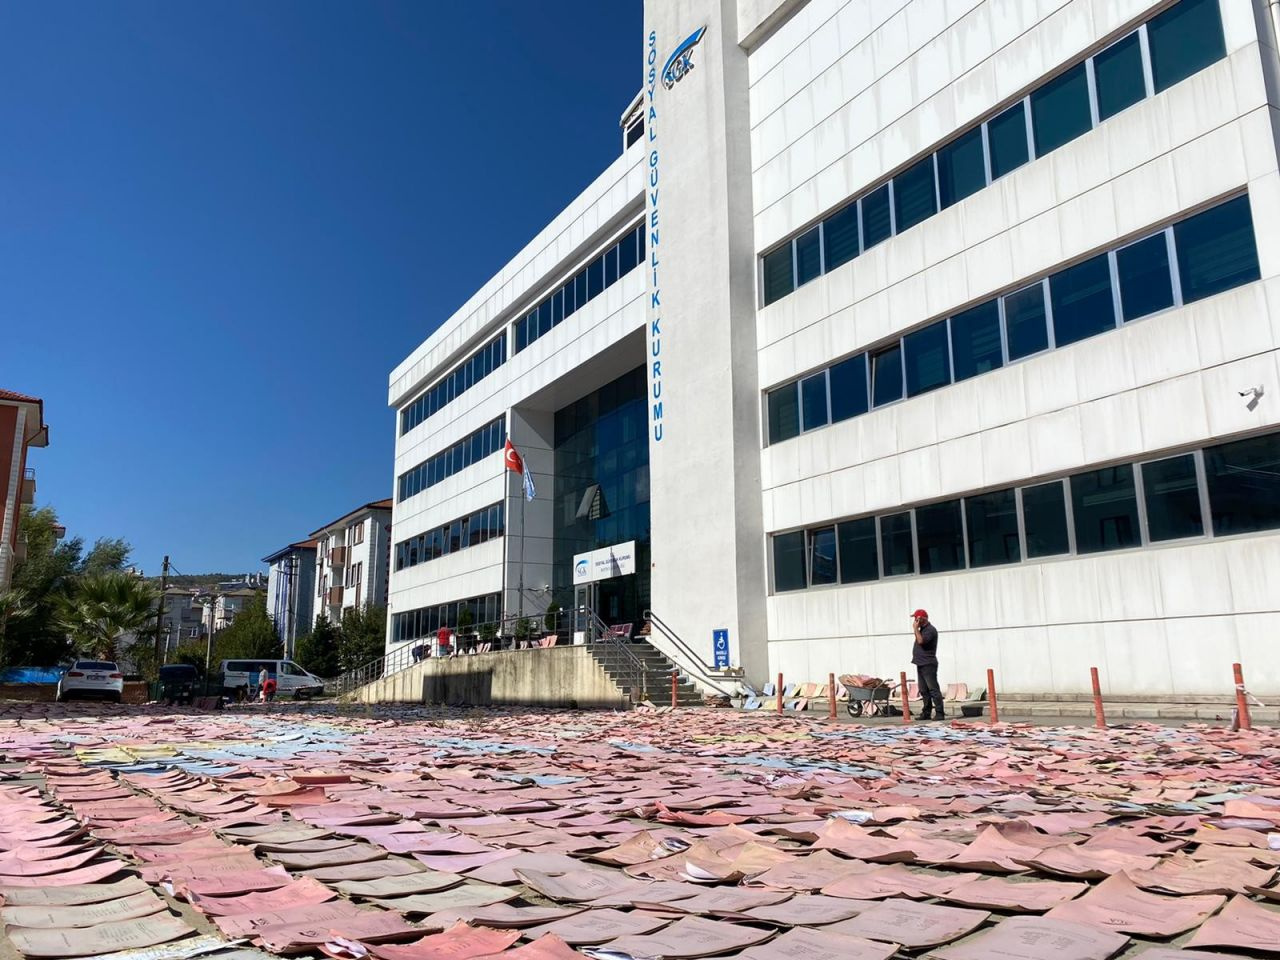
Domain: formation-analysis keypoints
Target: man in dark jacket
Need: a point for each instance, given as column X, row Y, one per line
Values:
column 924, row 654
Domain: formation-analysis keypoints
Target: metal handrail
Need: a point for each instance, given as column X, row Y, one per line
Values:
column 402, row 657
column 612, row 643
column 697, row 665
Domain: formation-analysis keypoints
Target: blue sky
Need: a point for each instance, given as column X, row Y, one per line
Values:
column 222, row 224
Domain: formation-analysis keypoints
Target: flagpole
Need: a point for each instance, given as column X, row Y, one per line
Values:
column 523, row 498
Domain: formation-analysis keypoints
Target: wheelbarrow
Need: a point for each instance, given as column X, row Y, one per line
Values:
column 868, row 701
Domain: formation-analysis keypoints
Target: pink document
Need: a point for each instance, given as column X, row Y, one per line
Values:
column 1242, row 924
column 1038, row 938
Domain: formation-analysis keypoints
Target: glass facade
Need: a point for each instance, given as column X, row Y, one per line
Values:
column 602, row 491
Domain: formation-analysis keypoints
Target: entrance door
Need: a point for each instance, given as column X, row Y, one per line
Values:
column 586, row 597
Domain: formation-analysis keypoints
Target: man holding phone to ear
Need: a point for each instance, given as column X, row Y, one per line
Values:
column 924, row 654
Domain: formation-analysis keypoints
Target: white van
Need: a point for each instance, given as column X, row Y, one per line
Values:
column 291, row 679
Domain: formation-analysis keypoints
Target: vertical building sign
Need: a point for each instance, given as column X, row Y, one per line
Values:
column 651, row 207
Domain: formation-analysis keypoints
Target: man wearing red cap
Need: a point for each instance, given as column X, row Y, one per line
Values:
column 924, row 654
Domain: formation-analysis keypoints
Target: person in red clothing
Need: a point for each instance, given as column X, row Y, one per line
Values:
column 444, row 642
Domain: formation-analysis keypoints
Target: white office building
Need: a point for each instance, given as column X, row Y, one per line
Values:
column 955, row 305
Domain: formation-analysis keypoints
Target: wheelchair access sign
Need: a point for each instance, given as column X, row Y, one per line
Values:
column 720, row 647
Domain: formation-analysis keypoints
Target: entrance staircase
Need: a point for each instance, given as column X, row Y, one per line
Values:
column 642, row 672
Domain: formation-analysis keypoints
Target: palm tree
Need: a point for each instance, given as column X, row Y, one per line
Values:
column 103, row 608
column 14, row 605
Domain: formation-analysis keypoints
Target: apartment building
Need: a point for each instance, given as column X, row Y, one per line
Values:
column 22, row 427
column 352, row 560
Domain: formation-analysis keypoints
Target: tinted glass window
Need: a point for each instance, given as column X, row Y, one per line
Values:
column 1117, row 74
column 611, row 267
column 1024, row 322
column 940, row 537
column 961, row 168
column 813, row 399
column 778, row 281
column 1007, row 138
column 808, row 256
column 928, row 361
column 1185, row 39
column 1082, row 304
column 914, row 195
column 886, row 376
column 784, row 413
column 992, row 520
column 975, row 340
column 628, row 255
column 1105, row 509
column 788, row 561
column 840, row 236
column 595, row 278
column 1244, row 485
column 1172, row 497
column 859, row 558
column 1216, row 249
column 1060, row 110
column 895, row 544
column 822, row 556
column 876, row 222
column 1044, row 517
column 849, row 388
column 1145, row 283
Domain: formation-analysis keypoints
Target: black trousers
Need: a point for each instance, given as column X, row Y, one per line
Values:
column 930, row 692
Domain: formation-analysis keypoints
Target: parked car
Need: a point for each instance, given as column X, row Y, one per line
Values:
column 178, row 682
column 92, row 678
column 240, row 678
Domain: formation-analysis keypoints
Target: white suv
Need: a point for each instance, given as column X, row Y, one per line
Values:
column 92, row 678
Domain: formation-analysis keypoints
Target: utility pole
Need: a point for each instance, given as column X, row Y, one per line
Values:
column 162, row 655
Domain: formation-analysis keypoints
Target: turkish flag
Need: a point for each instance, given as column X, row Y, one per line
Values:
column 511, row 457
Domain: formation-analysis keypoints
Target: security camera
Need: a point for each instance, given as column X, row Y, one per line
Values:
column 1254, row 394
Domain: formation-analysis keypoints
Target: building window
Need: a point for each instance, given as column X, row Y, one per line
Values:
column 619, row 259
column 975, row 340
column 1082, row 303
column 357, row 533
column 1182, row 40
column 1215, row 252
column 813, row 401
column 840, row 236
column 848, row 383
column 928, row 359
column 1146, row 285
column 1171, row 495
column 991, row 520
column 822, row 556
column 1216, row 249
column 962, row 168
column 1089, row 512
column 788, row 561
column 1119, row 76
column 784, row 414
column 859, row 555
column 895, row 544
column 1104, row 506
column 1244, row 485
column 1024, row 322
column 471, row 449
column 886, row 376
column 940, row 537
column 1060, row 110
column 472, row 370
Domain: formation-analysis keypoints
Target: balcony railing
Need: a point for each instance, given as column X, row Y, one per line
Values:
column 338, row 556
column 334, row 597
column 28, row 493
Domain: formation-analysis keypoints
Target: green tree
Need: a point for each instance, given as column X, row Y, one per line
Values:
column 250, row 636
column 45, row 578
column 317, row 651
column 363, row 636
column 102, row 608
column 14, row 607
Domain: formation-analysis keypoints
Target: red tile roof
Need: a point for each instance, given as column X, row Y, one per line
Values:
column 17, row 397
